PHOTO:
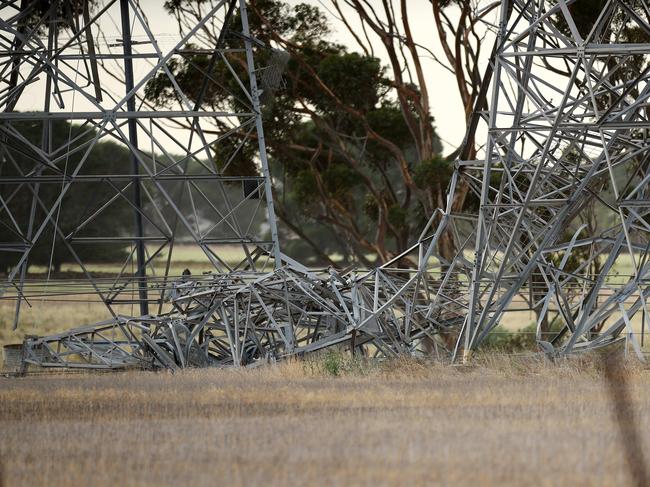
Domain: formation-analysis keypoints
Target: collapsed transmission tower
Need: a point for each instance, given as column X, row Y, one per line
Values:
column 566, row 145
column 567, row 135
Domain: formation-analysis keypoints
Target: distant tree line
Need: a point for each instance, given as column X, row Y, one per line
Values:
column 19, row 159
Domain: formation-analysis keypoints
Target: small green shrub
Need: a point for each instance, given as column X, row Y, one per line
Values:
column 333, row 363
column 338, row 363
column 505, row 340
column 524, row 339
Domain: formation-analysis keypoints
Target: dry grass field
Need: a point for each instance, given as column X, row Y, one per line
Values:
column 507, row 421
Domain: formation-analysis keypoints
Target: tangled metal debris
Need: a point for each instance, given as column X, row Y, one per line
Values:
column 247, row 318
column 567, row 138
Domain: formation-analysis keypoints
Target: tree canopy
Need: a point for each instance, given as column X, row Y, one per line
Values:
column 346, row 140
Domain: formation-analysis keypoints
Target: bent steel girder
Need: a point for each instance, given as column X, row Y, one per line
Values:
column 239, row 319
column 245, row 318
column 568, row 121
column 179, row 183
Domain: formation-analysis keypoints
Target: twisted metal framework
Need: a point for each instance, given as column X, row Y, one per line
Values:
column 567, row 134
column 566, row 140
column 243, row 319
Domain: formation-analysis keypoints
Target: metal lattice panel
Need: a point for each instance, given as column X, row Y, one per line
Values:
column 567, row 129
column 195, row 171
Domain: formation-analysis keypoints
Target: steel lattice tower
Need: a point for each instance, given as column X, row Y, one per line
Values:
column 567, row 130
column 181, row 182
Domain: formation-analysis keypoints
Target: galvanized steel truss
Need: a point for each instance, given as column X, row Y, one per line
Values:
column 567, row 128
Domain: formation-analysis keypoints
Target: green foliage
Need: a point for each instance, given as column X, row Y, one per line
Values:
column 339, row 180
column 304, row 186
column 355, row 79
column 159, row 89
column 436, row 171
column 307, row 24
column 232, row 160
column 584, row 15
column 387, row 120
column 34, row 12
column 333, row 362
column 503, row 340
column 398, row 216
column 370, row 206
column 621, row 29
column 337, row 363
column 302, row 22
column 187, row 70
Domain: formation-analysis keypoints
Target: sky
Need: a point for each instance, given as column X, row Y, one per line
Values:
column 445, row 101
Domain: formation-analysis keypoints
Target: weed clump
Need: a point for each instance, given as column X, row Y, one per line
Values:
column 337, row 363
column 523, row 340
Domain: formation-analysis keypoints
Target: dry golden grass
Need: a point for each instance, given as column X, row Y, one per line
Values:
column 506, row 421
column 45, row 317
